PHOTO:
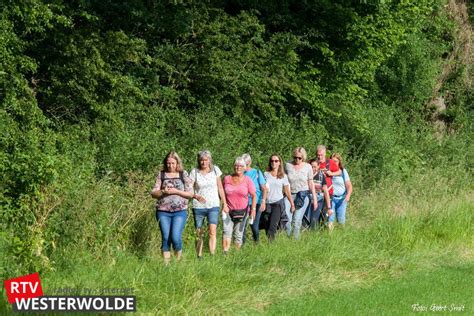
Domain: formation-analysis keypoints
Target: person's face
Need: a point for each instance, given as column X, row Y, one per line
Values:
column 275, row 162
column 239, row 169
column 336, row 160
column 171, row 164
column 204, row 163
column 321, row 155
column 315, row 166
column 297, row 158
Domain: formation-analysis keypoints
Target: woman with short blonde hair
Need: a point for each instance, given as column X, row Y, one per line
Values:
column 237, row 187
column 300, row 176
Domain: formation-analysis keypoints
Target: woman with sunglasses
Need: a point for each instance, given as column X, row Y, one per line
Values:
column 300, row 176
column 277, row 183
column 237, row 188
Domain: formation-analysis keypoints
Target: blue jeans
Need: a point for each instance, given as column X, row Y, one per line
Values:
column 255, row 225
column 171, row 227
column 339, row 206
column 315, row 214
column 212, row 215
column 296, row 218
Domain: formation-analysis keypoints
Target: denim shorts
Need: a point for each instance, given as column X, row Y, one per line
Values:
column 212, row 215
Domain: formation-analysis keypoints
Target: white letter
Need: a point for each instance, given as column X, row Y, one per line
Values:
column 44, row 303
column 84, row 302
column 14, row 287
column 71, row 303
column 34, row 304
column 94, row 304
column 53, row 302
column 22, row 304
column 119, row 303
column 33, row 289
column 129, row 304
column 62, row 304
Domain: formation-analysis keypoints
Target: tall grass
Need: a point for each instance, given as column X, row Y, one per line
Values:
column 400, row 228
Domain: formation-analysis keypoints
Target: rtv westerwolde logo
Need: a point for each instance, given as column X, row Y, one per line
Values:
column 26, row 295
column 24, row 287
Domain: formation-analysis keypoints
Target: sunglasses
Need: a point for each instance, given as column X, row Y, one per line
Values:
column 298, row 158
column 274, row 160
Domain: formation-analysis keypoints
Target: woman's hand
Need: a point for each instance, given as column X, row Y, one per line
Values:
column 263, row 207
column 330, row 212
column 200, row 198
column 292, row 208
column 171, row 191
column 225, row 209
column 315, row 204
column 253, row 213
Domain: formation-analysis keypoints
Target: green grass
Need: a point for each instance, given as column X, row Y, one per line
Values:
column 393, row 253
column 281, row 277
column 444, row 290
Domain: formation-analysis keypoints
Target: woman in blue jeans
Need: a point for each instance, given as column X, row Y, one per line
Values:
column 342, row 193
column 208, row 187
column 300, row 176
column 172, row 190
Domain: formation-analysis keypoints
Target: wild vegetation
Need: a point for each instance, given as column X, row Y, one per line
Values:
column 94, row 93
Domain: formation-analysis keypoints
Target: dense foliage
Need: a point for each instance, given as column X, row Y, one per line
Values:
column 94, row 93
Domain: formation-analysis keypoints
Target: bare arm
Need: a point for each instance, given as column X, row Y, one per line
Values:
column 334, row 173
column 156, row 191
column 220, row 188
column 187, row 193
column 254, row 204
column 286, row 189
column 313, row 192
column 181, row 193
column 326, row 196
column 348, row 184
column 263, row 204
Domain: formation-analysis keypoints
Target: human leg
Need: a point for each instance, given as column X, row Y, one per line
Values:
column 212, row 219
column 199, row 215
column 315, row 214
column 164, row 220
column 255, row 225
column 275, row 210
column 238, row 231
column 177, row 226
column 340, row 210
column 289, row 214
column 298, row 218
column 228, row 227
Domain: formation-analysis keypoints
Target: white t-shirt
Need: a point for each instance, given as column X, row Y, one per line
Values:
column 299, row 178
column 206, row 185
column 275, row 186
column 338, row 183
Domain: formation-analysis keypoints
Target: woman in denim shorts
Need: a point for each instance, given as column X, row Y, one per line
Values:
column 208, row 188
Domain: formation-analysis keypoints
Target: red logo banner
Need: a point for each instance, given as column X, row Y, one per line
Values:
column 24, row 287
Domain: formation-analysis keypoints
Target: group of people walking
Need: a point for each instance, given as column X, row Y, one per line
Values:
column 287, row 196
